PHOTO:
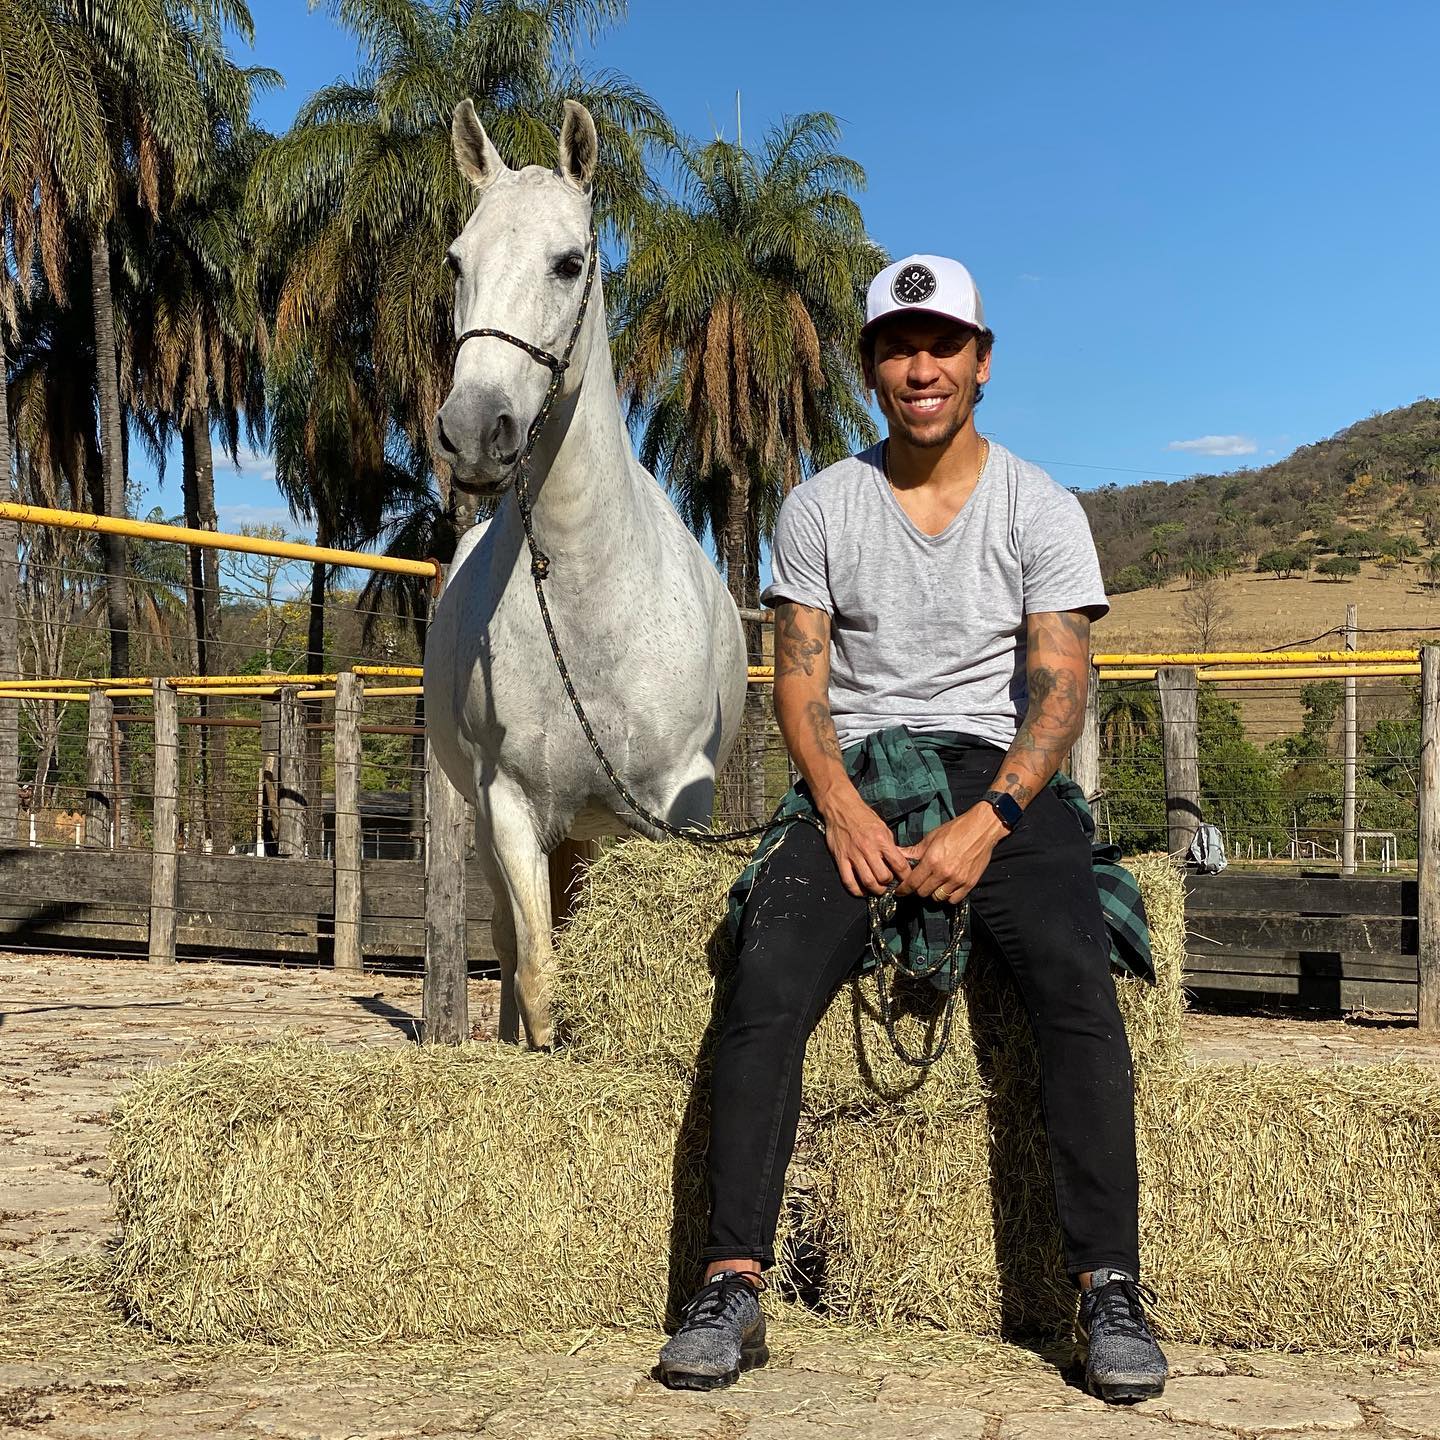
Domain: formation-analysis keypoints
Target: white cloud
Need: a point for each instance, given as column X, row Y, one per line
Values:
column 1217, row 445
column 254, row 464
column 232, row 517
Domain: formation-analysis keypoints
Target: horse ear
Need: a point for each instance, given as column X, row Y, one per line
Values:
column 579, row 146
column 478, row 159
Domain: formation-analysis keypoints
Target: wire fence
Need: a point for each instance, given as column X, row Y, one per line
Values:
column 1271, row 762
column 1272, row 769
column 1271, row 751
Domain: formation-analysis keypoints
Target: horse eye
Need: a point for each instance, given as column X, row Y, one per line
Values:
column 452, row 263
column 568, row 267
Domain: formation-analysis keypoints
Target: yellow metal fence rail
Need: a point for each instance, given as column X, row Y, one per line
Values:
column 218, row 540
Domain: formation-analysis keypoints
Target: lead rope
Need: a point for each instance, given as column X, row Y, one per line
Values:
column 882, row 912
column 882, row 907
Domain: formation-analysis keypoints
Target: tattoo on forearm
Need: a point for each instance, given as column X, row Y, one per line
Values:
column 798, row 641
column 1012, row 784
column 1057, row 671
column 822, row 727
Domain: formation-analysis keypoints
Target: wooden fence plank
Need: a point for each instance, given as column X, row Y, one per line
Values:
column 1212, row 932
column 1301, row 895
column 98, row 902
column 1304, row 993
column 1389, row 966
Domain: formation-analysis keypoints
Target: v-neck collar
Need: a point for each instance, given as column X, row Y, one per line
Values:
column 883, row 481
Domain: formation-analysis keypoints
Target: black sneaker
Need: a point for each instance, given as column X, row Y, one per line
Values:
column 722, row 1332
column 1123, row 1363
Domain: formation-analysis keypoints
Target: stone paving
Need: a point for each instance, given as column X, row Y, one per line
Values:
column 74, row 1032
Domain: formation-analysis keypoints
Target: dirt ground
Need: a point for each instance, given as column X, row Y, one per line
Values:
column 73, row 1034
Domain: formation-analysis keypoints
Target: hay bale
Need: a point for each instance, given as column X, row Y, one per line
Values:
column 289, row 1193
column 1281, row 1206
column 639, row 963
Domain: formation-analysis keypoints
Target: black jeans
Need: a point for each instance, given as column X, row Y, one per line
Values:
column 803, row 936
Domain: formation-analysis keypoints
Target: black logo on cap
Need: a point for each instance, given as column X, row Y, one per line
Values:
column 914, row 285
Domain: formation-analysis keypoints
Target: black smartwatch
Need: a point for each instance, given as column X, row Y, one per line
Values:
column 1005, row 806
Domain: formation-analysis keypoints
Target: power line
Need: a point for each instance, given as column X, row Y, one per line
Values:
column 1122, row 469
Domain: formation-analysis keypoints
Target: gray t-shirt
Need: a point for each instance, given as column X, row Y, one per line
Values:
column 929, row 631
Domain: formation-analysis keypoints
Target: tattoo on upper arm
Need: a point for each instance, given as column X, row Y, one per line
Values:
column 802, row 637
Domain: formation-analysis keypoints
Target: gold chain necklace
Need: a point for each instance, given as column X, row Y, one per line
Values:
column 979, row 470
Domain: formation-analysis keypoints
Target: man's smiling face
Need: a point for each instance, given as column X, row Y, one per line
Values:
column 925, row 371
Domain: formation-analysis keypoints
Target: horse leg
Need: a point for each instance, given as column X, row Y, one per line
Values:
column 525, row 883
column 502, row 934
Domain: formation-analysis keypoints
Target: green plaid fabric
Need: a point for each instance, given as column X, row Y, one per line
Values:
column 901, row 776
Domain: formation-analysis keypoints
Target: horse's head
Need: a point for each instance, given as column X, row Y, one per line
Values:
column 520, row 267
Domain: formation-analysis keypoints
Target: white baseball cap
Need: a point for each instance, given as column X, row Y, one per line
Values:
column 931, row 284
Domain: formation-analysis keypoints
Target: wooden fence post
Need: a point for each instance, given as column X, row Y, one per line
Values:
column 267, row 805
column 1347, row 798
column 164, row 871
column 312, row 787
column 349, row 702
column 291, row 773
column 1428, row 863
column 446, row 1004
column 9, row 661
column 1085, row 757
column 99, row 775
column 1180, row 722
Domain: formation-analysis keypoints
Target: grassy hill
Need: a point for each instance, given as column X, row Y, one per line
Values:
column 1370, row 494
column 1181, row 560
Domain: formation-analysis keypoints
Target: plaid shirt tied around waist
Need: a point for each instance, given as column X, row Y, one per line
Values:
column 901, row 776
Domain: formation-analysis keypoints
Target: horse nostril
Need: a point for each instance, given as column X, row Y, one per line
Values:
column 503, row 444
column 445, row 441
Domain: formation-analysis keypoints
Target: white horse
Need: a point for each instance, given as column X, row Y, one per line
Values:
column 650, row 634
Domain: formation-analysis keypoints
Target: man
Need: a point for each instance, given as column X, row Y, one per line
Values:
column 935, row 593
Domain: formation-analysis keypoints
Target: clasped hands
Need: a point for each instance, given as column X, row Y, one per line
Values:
column 944, row 865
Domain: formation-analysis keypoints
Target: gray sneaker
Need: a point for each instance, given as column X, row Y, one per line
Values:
column 722, row 1332
column 1123, row 1363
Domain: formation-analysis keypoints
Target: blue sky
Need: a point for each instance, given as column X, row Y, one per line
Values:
column 1205, row 234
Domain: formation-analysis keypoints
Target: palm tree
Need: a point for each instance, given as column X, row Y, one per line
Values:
column 335, row 465
column 165, row 80
column 739, row 308
column 193, row 342
column 415, row 525
column 50, row 127
column 362, row 197
column 129, row 87
column 158, row 597
column 1128, row 715
column 193, row 349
